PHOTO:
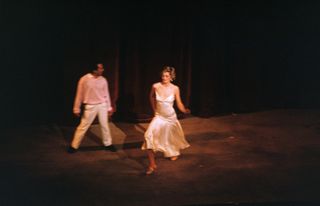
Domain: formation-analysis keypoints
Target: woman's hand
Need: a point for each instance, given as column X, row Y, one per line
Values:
column 187, row 111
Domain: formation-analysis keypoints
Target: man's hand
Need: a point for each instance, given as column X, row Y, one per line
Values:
column 110, row 112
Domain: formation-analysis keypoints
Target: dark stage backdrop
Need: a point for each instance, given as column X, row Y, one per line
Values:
column 230, row 56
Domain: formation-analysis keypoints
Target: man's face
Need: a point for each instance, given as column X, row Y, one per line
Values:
column 100, row 69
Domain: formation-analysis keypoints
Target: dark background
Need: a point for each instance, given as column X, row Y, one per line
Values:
column 230, row 56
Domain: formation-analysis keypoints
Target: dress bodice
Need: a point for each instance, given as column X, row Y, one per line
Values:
column 169, row 98
column 164, row 106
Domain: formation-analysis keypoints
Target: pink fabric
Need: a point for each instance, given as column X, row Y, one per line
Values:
column 92, row 90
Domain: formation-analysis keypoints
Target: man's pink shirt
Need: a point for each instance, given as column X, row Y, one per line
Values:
column 92, row 90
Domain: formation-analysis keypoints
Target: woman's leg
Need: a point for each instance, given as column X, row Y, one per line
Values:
column 152, row 162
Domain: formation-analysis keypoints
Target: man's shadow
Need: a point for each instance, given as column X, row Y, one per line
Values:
column 68, row 133
column 125, row 136
column 96, row 139
column 134, row 135
column 126, row 132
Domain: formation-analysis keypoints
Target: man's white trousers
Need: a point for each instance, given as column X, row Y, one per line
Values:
column 90, row 112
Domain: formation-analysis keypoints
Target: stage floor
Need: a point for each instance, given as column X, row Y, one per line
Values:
column 264, row 158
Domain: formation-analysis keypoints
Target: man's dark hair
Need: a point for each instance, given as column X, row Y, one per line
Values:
column 94, row 65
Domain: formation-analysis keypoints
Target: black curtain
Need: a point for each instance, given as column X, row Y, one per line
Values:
column 230, row 56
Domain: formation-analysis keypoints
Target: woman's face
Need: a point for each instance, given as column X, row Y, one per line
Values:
column 166, row 77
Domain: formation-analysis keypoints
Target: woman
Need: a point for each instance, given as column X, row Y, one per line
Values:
column 164, row 133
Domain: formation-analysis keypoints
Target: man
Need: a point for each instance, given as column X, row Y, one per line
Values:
column 93, row 92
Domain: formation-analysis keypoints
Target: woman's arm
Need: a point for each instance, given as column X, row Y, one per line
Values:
column 180, row 105
column 152, row 98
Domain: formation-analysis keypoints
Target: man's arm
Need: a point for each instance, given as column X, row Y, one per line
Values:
column 79, row 98
column 108, row 99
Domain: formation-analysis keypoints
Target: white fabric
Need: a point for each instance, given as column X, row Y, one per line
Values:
column 90, row 112
column 164, row 133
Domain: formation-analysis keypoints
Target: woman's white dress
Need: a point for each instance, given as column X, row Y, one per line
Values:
column 165, row 133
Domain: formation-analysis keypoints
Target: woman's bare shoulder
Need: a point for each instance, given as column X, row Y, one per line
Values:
column 175, row 87
column 156, row 85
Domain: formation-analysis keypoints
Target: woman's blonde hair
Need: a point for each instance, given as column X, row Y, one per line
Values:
column 170, row 70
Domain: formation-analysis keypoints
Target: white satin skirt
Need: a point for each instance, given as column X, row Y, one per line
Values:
column 165, row 135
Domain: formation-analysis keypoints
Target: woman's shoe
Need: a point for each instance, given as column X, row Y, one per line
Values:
column 174, row 158
column 151, row 170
